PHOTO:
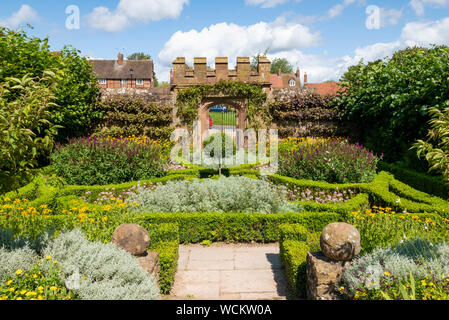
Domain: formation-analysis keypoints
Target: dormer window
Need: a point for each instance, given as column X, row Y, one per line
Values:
column 102, row 81
column 292, row 83
column 124, row 82
column 139, row 82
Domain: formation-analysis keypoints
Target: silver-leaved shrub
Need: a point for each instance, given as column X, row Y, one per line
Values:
column 232, row 194
column 97, row 271
column 420, row 257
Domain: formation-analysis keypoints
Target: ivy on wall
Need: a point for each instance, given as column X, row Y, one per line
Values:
column 188, row 100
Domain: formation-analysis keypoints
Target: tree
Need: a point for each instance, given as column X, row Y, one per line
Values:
column 391, row 98
column 436, row 149
column 76, row 92
column 255, row 59
column 142, row 56
column 282, row 63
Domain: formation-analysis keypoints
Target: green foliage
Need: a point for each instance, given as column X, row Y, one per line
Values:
column 315, row 113
column 283, row 64
column 189, row 99
column 414, row 270
column 332, row 161
column 25, row 128
column 436, row 150
column 226, row 194
column 420, row 181
column 126, row 116
column 40, row 282
column 104, row 161
column 255, row 59
column 391, row 97
column 77, row 90
column 294, row 257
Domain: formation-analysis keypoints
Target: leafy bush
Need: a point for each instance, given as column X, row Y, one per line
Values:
column 126, row 116
column 333, row 161
column 437, row 155
column 233, row 194
column 391, row 97
column 104, row 161
column 76, row 92
column 107, row 272
column 383, row 270
column 25, row 129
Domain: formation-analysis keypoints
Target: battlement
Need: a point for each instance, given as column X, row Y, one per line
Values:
column 184, row 76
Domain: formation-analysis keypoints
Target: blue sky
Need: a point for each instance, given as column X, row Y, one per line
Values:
column 323, row 38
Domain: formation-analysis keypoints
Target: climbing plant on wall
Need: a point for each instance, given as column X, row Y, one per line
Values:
column 188, row 100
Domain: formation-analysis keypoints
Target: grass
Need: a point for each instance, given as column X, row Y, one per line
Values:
column 227, row 119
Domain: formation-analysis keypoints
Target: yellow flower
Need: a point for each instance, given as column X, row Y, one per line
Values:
column 104, row 219
column 19, row 298
column 48, row 257
column 40, row 297
column 31, row 293
column 387, row 274
column 23, row 292
column 55, row 262
column 19, row 272
column 40, row 288
column 9, row 282
column 34, row 276
column 342, row 288
column 424, row 283
column 11, row 289
column 53, row 288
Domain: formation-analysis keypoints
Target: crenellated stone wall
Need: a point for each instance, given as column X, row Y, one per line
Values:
column 184, row 76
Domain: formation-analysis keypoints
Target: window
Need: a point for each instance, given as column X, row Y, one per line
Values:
column 292, row 83
column 139, row 82
column 124, row 82
column 102, row 81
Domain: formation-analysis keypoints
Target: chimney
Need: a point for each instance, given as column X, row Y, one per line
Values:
column 120, row 58
column 279, row 72
column 298, row 74
column 305, row 77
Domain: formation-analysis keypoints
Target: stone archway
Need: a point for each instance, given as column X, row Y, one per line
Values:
column 237, row 103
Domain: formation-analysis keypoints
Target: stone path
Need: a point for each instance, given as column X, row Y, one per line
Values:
column 230, row 272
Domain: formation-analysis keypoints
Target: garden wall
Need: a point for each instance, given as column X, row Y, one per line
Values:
column 305, row 113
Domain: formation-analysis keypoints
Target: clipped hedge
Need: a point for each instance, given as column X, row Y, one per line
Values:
column 294, row 258
column 420, row 181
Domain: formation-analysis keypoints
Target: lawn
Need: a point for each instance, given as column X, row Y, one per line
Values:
column 227, row 119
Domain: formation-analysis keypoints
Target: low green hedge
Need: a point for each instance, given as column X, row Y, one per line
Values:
column 420, row 181
column 294, row 257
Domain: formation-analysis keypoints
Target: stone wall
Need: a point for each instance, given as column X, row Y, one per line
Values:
column 160, row 95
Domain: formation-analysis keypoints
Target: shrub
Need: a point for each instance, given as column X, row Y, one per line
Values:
column 25, row 130
column 105, row 161
column 392, row 96
column 295, row 260
column 383, row 270
column 233, row 194
column 108, row 273
column 126, row 116
column 436, row 150
column 333, row 161
column 76, row 92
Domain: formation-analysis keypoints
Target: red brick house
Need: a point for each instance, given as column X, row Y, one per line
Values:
column 325, row 88
column 285, row 80
column 122, row 73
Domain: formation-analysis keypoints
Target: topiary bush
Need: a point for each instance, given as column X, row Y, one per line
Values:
column 333, row 161
column 232, row 194
column 101, row 161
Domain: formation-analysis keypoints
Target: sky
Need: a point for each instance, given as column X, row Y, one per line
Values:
column 323, row 38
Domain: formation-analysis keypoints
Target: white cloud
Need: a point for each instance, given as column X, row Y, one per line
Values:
column 231, row 40
column 389, row 17
column 426, row 33
column 25, row 14
column 134, row 11
column 338, row 9
column 265, row 3
column 419, row 5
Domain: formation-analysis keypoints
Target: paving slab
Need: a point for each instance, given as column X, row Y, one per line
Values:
column 230, row 272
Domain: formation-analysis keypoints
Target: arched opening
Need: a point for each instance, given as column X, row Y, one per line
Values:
column 228, row 115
